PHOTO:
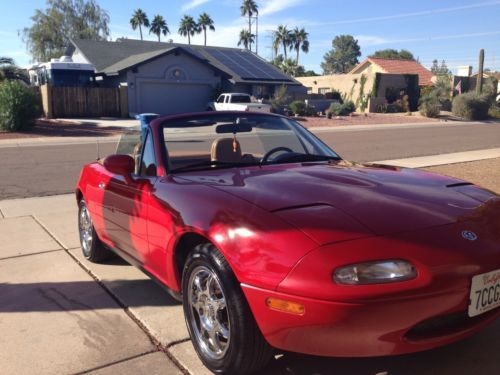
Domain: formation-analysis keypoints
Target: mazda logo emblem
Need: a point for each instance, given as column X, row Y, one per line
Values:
column 469, row 235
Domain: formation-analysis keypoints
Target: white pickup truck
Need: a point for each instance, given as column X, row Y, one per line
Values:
column 237, row 102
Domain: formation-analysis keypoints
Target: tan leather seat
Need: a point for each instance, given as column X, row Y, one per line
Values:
column 222, row 150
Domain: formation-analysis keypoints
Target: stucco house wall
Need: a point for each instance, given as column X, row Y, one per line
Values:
column 347, row 84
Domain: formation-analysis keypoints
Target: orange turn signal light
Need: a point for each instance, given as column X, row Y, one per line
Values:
column 285, row 306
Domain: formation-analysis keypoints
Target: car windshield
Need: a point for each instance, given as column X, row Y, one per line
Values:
column 232, row 140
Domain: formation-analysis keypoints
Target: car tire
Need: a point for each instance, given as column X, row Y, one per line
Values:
column 212, row 298
column 92, row 247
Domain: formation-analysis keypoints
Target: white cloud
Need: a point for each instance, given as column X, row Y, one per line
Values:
column 415, row 14
column 371, row 40
column 193, row 4
column 274, row 6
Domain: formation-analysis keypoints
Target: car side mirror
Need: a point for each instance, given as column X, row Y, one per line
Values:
column 120, row 164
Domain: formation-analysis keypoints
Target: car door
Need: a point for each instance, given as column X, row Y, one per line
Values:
column 219, row 105
column 129, row 199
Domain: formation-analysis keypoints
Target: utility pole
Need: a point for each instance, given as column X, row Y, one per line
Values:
column 479, row 82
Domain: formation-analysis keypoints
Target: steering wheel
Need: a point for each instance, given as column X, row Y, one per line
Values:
column 273, row 151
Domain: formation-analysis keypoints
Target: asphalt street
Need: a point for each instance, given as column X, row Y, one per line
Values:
column 27, row 171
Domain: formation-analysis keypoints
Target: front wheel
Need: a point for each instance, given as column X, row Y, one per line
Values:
column 222, row 328
column 92, row 247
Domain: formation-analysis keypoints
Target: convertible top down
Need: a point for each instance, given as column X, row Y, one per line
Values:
column 272, row 240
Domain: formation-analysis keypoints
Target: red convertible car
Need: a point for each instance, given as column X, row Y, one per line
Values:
column 272, row 240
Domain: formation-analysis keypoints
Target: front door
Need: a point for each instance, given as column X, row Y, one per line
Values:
column 128, row 199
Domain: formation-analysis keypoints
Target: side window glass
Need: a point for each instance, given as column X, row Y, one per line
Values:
column 221, row 99
column 148, row 161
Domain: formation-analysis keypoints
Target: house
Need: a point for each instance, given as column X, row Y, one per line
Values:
column 373, row 65
column 169, row 78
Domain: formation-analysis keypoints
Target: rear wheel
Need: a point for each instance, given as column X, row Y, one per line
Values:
column 92, row 247
column 222, row 328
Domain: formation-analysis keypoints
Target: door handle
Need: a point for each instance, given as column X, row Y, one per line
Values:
column 101, row 185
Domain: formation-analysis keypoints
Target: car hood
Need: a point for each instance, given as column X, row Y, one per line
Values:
column 380, row 199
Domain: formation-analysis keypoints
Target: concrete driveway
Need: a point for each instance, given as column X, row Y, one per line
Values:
column 60, row 314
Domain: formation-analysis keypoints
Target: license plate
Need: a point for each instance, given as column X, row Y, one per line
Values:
column 484, row 293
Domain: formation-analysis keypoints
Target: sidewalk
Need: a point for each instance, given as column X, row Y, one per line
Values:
column 60, row 314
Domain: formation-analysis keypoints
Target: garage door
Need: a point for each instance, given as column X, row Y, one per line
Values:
column 172, row 98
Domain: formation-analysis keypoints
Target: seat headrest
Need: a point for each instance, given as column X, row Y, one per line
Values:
column 222, row 150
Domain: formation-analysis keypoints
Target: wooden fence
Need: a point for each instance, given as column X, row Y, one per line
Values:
column 61, row 102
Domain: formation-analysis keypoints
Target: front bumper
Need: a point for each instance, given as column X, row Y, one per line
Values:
column 366, row 329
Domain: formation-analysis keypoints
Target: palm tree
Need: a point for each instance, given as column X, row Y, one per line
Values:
column 204, row 22
column 159, row 26
column 188, row 27
column 249, row 8
column 246, row 38
column 299, row 40
column 10, row 71
column 289, row 66
column 139, row 19
column 281, row 36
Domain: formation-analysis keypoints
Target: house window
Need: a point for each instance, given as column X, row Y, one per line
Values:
column 324, row 90
column 309, row 90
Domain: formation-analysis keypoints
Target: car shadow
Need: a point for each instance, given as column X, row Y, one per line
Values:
column 74, row 296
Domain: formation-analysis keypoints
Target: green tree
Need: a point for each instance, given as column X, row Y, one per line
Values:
column 249, row 8
column 10, row 71
column 439, row 70
column 343, row 57
column 282, row 37
column 390, row 53
column 205, row 22
column 278, row 60
column 62, row 20
column 246, row 38
column 188, row 27
column 19, row 106
column 300, row 41
column 290, row 67
column 159, row 26
column 307, row 73
column 139, row 19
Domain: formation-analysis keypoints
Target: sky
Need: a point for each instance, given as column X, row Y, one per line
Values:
column 450, row 30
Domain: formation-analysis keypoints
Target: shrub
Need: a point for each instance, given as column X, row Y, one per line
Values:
column 445, row 104
column 429, row 106
column 338, row 109
column 494, row 111
column 390, row 108
column 298, row 108
column 335, row 95
column 471, row 106
column 349, row 107
column 19, row 106
column 280, row 98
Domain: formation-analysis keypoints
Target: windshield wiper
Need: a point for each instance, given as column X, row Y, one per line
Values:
column 211, row 163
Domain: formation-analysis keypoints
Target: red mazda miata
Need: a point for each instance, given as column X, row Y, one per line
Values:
column 272, row 240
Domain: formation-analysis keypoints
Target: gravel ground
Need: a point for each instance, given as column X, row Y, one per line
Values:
column 63, row 128
column 485, row 173
column 369, row 119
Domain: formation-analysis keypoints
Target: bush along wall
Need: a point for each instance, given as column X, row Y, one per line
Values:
column 19, row 106
column 471, row 106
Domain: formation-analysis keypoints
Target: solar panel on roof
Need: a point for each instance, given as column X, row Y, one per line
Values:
column 247, row 65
